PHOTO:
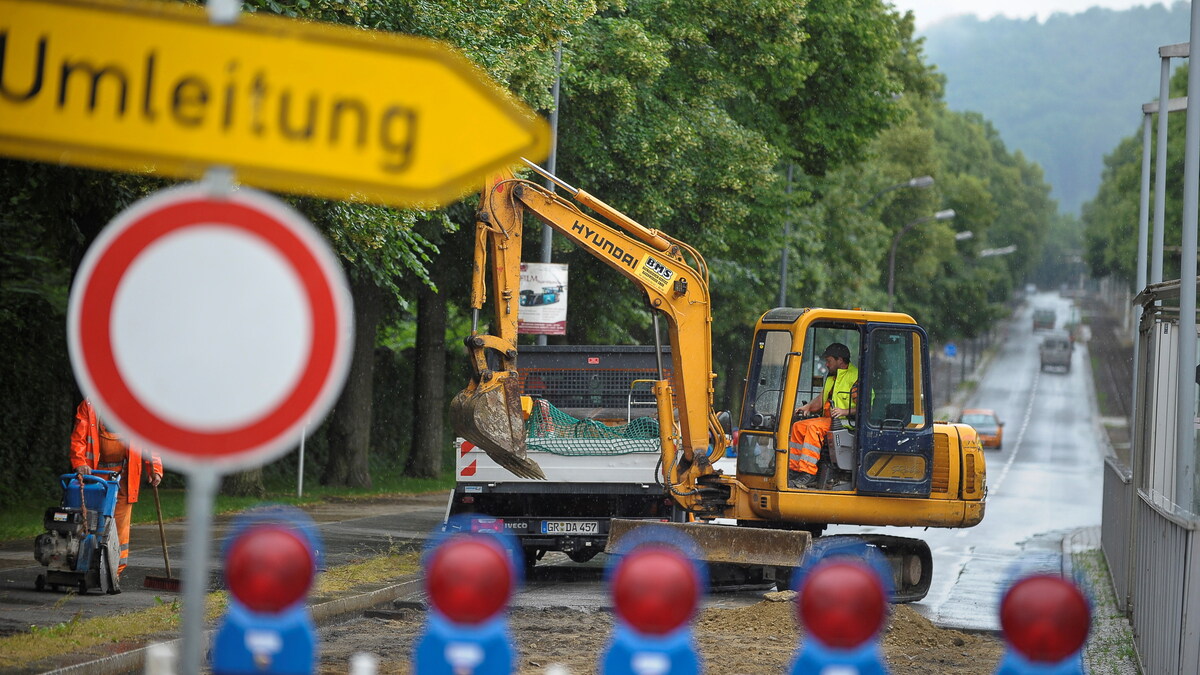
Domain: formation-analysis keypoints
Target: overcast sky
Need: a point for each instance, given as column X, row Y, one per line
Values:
column 931, row 11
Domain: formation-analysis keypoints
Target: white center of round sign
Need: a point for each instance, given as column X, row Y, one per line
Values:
column 211, row 328
column 233, row 349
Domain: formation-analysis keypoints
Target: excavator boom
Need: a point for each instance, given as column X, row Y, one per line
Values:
column 895, row 467
column 672, row 275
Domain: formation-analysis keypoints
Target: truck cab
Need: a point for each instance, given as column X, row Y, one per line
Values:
column 1055, row 352
column 1044, row 319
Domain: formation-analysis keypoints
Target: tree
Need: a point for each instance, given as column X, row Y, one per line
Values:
column 1110, row 220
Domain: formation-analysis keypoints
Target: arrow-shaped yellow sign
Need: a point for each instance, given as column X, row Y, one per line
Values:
column 291, row 106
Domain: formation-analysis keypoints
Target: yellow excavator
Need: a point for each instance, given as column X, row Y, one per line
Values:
column 892, row 465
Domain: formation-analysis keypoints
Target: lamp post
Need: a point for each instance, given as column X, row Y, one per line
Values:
column 918, row 182
column 945, row 214
column 990, row 252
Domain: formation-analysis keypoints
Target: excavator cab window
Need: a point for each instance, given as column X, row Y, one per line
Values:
column 765, row 383
column 764, row 398
column 813, row 371
column 897, row 398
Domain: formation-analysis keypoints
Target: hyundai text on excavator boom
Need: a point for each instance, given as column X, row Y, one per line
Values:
column 892, row 466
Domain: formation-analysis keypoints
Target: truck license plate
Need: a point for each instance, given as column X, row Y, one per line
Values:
column 570, row 527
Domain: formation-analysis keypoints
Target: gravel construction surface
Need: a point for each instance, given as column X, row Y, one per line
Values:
column 759, row 638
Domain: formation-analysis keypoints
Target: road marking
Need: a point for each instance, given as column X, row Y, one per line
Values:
column 1020, row 434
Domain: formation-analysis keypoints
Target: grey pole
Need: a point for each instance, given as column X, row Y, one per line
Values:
column 1185, row 456
column 1160, row 171
column 202, row 484
column 552, row 160
column 787, row 238
column 1143, row 209
column 1142, row 264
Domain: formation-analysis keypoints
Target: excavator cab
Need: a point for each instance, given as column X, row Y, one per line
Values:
column 885, row 447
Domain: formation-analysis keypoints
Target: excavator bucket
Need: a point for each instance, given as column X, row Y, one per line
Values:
column 728, row 543
column 490, row 417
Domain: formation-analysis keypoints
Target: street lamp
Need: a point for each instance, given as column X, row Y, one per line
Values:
column 989, row 252
column 918, row 182
column 940, row 215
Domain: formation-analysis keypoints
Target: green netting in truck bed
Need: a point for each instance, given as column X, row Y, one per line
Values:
column 551, row 430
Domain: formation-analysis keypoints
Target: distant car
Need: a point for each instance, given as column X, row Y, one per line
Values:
column 986, row 424
column 1055, row 352
column 1044, row 319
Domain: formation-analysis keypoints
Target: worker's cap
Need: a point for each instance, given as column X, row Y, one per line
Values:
column 838, row 351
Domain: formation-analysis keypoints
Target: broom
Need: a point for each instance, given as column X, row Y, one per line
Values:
column 167, row 583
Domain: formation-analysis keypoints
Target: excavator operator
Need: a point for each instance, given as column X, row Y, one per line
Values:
column 839, row 398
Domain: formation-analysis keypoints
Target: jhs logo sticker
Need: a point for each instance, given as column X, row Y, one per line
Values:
column 659, row 269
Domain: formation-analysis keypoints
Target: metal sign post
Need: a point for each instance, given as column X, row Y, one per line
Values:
column 210, row 324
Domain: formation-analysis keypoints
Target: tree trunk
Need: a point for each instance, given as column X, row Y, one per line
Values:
column 350, row 425
column 247, row 483
column 429, row 387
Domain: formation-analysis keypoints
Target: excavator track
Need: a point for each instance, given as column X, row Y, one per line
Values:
column 910, row 561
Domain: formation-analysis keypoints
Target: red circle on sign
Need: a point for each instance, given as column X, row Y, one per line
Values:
column 249, row 213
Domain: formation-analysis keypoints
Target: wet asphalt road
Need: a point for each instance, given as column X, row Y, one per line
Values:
column 349, row 530
column 1045, row 482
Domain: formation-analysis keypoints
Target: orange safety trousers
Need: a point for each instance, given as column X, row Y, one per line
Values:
column 121, row 518
column 804, row 445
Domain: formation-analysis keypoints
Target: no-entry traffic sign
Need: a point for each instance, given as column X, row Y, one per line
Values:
column 211, row 327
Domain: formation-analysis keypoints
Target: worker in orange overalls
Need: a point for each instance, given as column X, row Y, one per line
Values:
column 94, row 446
column 840, row 397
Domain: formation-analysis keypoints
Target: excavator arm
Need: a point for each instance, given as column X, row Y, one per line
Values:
column 488, row 411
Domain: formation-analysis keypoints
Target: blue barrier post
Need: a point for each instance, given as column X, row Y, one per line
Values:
column 270, row 560
column 469, row 579
column 1045, row 620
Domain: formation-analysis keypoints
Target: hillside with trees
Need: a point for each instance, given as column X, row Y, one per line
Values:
column 690, row 116
column 1063, row 91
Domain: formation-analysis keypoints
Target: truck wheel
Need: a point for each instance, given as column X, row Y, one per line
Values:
column 532, row 555
column 582, row 555
column 83, row 587
column 40, row 582
column 783, row 578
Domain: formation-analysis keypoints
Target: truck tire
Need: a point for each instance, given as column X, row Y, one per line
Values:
column 582, row 555
column 784, row 577
column 532, row 555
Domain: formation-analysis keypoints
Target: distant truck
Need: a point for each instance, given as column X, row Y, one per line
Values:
column 1044, row 319
column 1055, row 351
column 587, row 484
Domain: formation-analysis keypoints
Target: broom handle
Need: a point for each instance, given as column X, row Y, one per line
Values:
column 162, row 534
column 83, row 505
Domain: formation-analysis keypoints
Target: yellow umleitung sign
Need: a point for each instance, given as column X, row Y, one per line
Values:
column 289, row 105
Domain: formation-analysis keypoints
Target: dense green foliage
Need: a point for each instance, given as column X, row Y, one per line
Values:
column 686, row 114
column 1063, row 91
column 1111, row 219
